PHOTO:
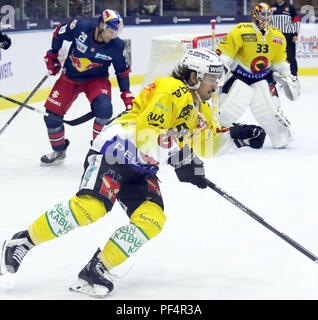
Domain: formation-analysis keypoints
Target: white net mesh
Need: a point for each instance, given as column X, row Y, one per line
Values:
column 168, row 49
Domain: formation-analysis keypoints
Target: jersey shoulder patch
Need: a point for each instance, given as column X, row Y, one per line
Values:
column 244, row 25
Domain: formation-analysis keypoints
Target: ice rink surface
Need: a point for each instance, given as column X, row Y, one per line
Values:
column 208, row 249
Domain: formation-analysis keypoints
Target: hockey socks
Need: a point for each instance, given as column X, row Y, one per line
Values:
column 145, row 223
column 66, row 216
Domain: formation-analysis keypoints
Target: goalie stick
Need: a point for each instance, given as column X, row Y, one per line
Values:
column 259, row 219
column 25, row 101
column 74, row 122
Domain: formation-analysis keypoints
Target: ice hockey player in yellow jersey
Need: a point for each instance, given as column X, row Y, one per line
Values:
column 255, row 54
column 170, row 122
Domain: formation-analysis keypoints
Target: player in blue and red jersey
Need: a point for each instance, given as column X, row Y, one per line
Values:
column 94, row 48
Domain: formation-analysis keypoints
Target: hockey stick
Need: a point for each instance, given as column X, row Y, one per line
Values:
column 259, row 219
column 74, row 122
column 25, row 101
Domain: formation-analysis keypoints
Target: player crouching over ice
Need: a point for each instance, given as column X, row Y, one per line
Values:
column 254, row 53
column 170, row 121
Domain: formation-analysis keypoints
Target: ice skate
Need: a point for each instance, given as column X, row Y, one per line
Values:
column 14, row 251
column 94, row 279
column 55, row 158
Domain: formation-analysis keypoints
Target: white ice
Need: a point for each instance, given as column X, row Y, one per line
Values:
column 208, row 249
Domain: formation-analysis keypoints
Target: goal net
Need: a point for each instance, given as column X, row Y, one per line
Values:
column 166, row 50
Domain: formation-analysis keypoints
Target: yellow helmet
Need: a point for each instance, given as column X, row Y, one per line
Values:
column 262, row 15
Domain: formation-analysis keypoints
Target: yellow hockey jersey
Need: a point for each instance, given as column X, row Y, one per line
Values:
column 253, row 53
column 164, row 118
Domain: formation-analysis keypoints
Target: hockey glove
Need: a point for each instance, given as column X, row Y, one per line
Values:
column 5, row 41
column 128, row 98
column 189, row 168
column 53, row 64
column 247, row 135
column 290, row 84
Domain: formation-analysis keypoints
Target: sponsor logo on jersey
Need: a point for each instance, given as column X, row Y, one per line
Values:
column 83, row 64
column 201, row 123
column 259, row 64
column 103, row 56
column 185, row 112
column 249, row 37
column 178, row 92
column 73, row 24
column 80, row 46
column 244, row 25
column 278, row 40
column 153, row 117
column 255, row 75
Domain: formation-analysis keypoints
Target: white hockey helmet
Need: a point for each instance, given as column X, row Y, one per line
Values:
column 203, row 61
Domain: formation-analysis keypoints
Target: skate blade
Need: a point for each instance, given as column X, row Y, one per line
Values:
column 7, row 279
column 96, row 291
column 56, row 163
column 3, row 268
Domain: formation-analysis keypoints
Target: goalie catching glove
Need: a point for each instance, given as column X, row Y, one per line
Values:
column 247, row 135
column 188, row 167
column 290, row 85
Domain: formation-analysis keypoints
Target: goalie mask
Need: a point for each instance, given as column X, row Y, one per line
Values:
column 111, row 21
column 207, row 65
column 262, row 15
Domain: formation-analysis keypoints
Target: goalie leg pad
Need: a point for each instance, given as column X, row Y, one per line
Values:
column 268, row 113
column 234, row 103
column 146, row 222
column 64, row 217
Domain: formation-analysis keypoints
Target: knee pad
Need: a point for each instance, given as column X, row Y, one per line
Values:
column 52, row 123
column 234, row 103
column 145, row 223
column 102, row 107
column 64, row 217
column 268, row 113
column 149, row 217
